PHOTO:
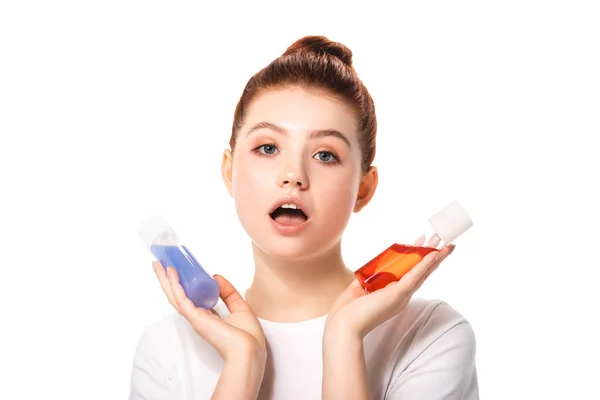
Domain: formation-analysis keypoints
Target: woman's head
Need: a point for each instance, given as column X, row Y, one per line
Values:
column 318, row 64
column 303, row 134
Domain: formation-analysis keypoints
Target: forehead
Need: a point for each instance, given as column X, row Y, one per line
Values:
column 301, row 111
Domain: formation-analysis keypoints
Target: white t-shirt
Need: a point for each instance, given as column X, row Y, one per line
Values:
column 426, row 352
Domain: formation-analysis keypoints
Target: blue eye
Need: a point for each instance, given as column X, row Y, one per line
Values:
column 269, row 148
column 326, row 157
column 266, row 149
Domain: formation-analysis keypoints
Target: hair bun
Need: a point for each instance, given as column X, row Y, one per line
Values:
column 319, row 45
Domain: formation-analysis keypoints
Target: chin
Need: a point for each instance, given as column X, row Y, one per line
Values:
column 310, row 242
column 285, row 248
column 294, row 248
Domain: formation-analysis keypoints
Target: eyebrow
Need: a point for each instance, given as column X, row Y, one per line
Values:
column 320, row 133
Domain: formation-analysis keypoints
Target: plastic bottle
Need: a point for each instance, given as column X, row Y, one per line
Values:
column 390, row 265
column 165, row 245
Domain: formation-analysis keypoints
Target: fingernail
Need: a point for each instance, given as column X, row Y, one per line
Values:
column 452, row 249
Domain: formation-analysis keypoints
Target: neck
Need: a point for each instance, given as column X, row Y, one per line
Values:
column 297, row 290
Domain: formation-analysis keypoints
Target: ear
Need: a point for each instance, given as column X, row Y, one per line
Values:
column 227, row 170
column 366, row 189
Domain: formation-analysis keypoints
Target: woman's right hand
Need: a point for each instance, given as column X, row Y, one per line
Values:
column 238, row 334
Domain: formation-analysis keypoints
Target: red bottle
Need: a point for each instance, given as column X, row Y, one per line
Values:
column 395, row 261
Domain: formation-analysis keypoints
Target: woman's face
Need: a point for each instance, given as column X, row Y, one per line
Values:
column 296, row 172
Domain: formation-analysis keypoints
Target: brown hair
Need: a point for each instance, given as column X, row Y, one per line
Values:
column 315, row 62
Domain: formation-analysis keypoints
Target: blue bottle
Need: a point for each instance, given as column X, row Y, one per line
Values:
column 164, row 244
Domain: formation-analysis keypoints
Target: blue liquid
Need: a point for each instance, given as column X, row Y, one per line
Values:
column 199, row 287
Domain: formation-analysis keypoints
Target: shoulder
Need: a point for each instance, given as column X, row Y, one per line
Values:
column 428, row 347
column 442, row 328
column 172, row 335
column 172, row 326
column 169, row 336
column 154, row 349
column 169, row 358
column 434, row 318
column 153, row 361
column 161, row 328
column 425, row 320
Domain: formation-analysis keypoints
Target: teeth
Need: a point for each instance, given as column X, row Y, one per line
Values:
column 290, row 205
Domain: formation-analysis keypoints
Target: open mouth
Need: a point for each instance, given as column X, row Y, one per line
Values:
column 289, row 214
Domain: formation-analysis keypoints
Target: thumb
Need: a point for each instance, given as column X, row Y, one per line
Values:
column 352, row 292
column 230, row 296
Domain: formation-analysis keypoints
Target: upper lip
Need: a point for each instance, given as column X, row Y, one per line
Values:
column 286, row 200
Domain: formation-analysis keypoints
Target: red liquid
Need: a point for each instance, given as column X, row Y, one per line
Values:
column 390, row 265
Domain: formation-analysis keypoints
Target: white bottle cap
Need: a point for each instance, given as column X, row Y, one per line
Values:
column 151, row 228
column 450, row 222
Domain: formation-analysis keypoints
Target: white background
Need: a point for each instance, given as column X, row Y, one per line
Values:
column 111, row 111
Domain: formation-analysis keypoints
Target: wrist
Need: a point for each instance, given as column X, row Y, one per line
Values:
column 241, row 377
column 340, row 338
column 253, row 356
column 338, row 332
column 344, row 367
column 244, row 351
column 247, row 368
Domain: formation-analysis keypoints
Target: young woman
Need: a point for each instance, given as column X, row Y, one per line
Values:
column 299, row 164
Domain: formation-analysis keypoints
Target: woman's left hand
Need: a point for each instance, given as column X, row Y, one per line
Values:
column 357, row 313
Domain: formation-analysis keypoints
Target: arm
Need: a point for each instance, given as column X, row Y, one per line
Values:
column 241, row 377
column 353, row 316
column 344, row 369
column 238, row 338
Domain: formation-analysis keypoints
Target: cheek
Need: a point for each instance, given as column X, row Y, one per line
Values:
column 249, row 185
column 339, row 197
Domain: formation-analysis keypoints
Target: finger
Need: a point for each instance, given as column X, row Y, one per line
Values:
column 230, row 296
column 397, row 294
column 400, row 292
column 400, row 288
column 420, row 241
column 412, row 277
column 442, row 255
column 183, row 304
column 203, row 321
column 161, row 274
column 434, row 241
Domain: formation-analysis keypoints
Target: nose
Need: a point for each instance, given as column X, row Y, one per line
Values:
column 293, row 179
